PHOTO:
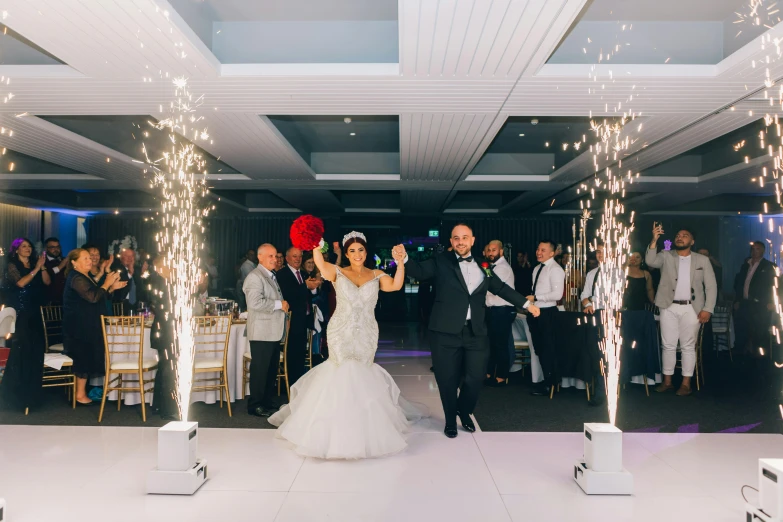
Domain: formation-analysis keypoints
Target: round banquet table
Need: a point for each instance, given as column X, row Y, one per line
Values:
column 237, row 346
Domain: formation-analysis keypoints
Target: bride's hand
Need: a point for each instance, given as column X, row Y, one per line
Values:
column 398, row 255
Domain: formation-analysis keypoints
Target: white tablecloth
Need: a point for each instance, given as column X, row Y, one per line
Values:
column 237, row 346
column 521, row 332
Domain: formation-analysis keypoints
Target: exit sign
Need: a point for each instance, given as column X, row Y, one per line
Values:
column 421, row 249
column 434, row 233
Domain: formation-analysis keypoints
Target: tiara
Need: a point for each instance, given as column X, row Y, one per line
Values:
column 353, row 234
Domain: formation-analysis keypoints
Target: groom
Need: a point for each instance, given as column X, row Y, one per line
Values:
column 458, row 333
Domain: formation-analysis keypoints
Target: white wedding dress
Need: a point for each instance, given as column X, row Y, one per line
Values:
column 348, row 407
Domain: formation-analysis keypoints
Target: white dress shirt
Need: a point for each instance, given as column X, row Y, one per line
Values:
column 587, row 291
column 294, row 270
column 473, row 276
column 551, row 282
column 271, row 275
column 503, row 270
column 682, row 291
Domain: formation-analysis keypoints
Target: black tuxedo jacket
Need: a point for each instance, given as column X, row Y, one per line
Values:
column 452, row 298
column 761, row 285
column 297, row 295
column 141, row 285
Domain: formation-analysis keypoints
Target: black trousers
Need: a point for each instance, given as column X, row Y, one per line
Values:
column 752, row 322
column 264, row 364
column 543, row 332
column 595, row 334
column 297, row 347
column 499, row 321
column 164, row 396
column 459, row 358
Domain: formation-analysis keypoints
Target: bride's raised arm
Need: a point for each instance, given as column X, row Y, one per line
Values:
column 328, row 270
column 392, row 285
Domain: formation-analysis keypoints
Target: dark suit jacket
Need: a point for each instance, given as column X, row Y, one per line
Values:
column 452, row 298
column 760, row 290
column 57, row 287
column 141, row 286
column 298, row 295
column 162, row 334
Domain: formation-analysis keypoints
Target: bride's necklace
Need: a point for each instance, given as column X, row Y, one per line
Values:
column 357, row 280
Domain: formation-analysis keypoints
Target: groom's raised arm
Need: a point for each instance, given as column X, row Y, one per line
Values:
column 422, row 271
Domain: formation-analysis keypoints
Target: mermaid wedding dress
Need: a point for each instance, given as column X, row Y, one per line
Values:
column 348, row 407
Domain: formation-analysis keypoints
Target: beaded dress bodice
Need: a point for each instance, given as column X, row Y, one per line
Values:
column 353, row 330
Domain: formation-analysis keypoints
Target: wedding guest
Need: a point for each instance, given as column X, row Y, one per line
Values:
column 753, row 301
column 247, row 266
column 212, row 271
column 164, row 398
column 279, row 262
column 639, row 291
column 55, row 265
column 298, row 290
column 593, row 303
column 83, row 304
column 717, row 267
column 523, row 274
column 686, row 298
column 265, row 327
column 99, row 271
column 500, row 317
column 130, row 295
column 548, row 285
column 26, row 282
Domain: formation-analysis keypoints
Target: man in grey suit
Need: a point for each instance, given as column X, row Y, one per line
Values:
column 686, row 298
column 266, row 311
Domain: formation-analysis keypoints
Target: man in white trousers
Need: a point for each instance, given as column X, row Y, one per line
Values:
column 686, row 298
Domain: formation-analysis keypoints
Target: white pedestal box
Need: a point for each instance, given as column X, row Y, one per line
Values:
column 770, row 490
column 179, row 471
column 603, row 447
column 177, row 446
column 601, row 471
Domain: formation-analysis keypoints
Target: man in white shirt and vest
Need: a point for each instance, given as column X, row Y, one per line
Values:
column 686, row 298
column 593, row 303
column 548, row 285
column 500, row 317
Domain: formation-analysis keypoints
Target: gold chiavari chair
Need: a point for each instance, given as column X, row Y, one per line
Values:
column 283, row 370
column 123, row 339
column 52, row 317
column 310, row 339
column 522, row 354
column 211, row 355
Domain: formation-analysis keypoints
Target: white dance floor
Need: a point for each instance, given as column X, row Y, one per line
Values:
column 92, row 473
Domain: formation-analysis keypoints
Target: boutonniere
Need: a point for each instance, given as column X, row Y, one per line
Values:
column 486, row 268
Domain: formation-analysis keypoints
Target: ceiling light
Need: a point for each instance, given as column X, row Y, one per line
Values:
column 353, row 134
column 534, row 122
column 521, row 135
column 347, row 120
column 546, row 144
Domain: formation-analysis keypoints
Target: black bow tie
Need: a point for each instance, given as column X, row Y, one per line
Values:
column 467, row 259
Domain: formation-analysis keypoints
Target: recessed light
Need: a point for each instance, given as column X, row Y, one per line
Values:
column 353, row 134
column 546, row 144
column 521, row 135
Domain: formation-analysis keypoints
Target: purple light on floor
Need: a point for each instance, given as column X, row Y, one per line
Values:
column 688, row 428
column 741, row 429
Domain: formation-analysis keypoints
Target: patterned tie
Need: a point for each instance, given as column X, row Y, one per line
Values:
column 299, row 277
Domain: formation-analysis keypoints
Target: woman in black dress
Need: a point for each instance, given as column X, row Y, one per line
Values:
column 25, row 281
column 639, row 291
column 83, row 304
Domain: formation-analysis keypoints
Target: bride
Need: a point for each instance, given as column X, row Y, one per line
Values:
column 348, row 407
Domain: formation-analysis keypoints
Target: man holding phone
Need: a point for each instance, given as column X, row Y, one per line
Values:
column 686, row 298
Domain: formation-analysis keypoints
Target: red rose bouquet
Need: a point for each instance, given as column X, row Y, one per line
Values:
column 307, row 233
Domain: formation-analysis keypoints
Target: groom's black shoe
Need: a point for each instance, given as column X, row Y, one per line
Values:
column 467, row 422
column 450, row 431
column 540, row 391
